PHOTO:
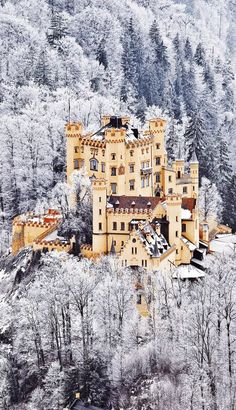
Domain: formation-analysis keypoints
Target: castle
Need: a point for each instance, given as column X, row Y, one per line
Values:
column 144, row 210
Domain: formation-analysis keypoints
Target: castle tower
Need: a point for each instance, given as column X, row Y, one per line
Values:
column 178, row 165
column 73, row 147
column 99, row 216
column 17, row 236
column 194, row 174
column 174, row 203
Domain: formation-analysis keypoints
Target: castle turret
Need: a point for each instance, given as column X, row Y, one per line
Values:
column 73, row 147
column 99, row 216
column 178, row 165
column 174, row 217
column 194, row 174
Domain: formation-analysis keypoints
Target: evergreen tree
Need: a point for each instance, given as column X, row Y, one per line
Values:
column 208, row 78
column 131, row 62
column 199, row 56
column 188, row 52
column 43, row 72
column 102, row 55
column 190, row 96
column 159, row 67
column 195, row 140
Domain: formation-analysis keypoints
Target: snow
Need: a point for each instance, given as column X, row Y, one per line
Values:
column 52, row 236
column 190, row 245
column 224, row 243
column 188, row 272
column 185, row 214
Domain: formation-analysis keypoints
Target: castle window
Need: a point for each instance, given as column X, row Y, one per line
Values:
column 177, row 251
column 76, row 164
column 114, row 242
column 100, row 212
column 142, row 182
column 103, row 166
column 178, row 174
column 114, row 226
column 134, row 240
column 147, row 150
column 158, row 146
column 170, row 191
column 122, row 226
column 131, row 168
column 139, row 299
column 113, row 171
column 177, row 219
column 158, row 160
column 93, row 164
column 113, row 188
column 183, row 227
column 193, row 188
column 122, row 243
column 131, row 184
column 100, row 226
column 100, row 199
column 103, row 152
column 185, row 190
column 134, row 250
column 76, row 150
column 158, row 177
column 82, row 149
column 113, row 156
column 176, row 234
column 169, row 178
column 131, row 153
column 142, row 151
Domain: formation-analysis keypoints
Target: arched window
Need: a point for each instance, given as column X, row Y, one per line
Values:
column 93, row 164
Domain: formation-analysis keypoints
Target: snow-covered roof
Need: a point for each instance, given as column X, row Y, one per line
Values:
column 188, row 272
column 155, row 243
column 190, row 245
column 185, row 214
column 224, row 243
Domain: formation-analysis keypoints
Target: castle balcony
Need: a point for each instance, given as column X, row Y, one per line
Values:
column 185, row 179
column 146, row 171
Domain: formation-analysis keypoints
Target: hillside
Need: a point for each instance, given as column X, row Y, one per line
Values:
column 69, row 324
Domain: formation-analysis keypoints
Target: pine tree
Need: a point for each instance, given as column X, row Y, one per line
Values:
column 131, row 62
column 199, row 56
column 102, row 55
column 188, row 52
column 190, row 96
column 159, row 67
column 195, row 139
column 208, row 78
column 43, row 72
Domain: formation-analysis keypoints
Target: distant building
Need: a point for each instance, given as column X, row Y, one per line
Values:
column 144, row 210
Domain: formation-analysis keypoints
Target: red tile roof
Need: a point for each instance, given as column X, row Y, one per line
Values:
column 141, row 202
column 188, row 203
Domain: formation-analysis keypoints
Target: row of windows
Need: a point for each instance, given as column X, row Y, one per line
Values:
column 113, row 155
column 122, row 226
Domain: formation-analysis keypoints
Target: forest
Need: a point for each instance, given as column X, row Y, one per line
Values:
column 61, row 330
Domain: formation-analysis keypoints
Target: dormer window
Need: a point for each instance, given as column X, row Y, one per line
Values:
column 93, row 164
